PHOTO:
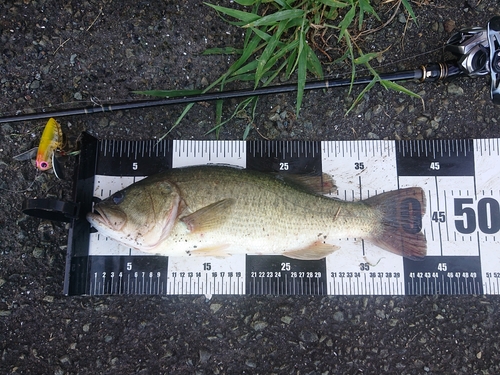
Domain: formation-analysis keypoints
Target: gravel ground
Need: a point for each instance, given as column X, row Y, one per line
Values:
column 55, row 52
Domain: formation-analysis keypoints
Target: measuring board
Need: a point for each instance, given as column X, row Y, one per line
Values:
column 461, row 180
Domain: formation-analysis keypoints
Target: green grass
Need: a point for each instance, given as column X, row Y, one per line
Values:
column 280, row 41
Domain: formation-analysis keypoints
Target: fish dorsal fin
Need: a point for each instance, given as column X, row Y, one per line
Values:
column 317, row 250
column 208, row 217
column 322, row 184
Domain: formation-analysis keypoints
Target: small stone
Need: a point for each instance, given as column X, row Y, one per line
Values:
column 286, row 319
column 401, row 18
column 479, row 355
column 308, row 336
column 449, row 26
column 455, row 90
column 48, row 299
column 129, row 53
column 439, row 317
column 372, row 135
column 378, row 109
column 259, row 325
column 393, row 322
column 250, row 363
column 38, row 252
column 7, row 129
column 78, row 96
column 104, row 122
column 86, row 327
column 34, row 85
column 338, row 316
column 65, row 360
column 214, row 307
column 204, row 355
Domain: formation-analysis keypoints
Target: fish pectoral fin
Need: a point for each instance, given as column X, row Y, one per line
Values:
column 209, row 217
column 211, row 251
column 317, row 250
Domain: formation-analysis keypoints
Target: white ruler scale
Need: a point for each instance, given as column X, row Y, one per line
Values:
column 461, row 180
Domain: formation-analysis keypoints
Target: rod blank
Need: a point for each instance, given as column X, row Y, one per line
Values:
column 428, row 72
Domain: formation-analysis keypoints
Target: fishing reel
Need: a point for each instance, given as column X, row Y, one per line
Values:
column 478, row 53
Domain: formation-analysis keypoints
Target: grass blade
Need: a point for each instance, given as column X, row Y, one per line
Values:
column 364, row 58
column 244, row 17
column 365, row 7
column 333, row 3
column 246, row 3
column 223, row 51
column 313, row 63
column 268, row 52
column 396, row 87
column 346, row 22
column 361, row 94
column 274, row 18
column 409, row 9
column 301, row 78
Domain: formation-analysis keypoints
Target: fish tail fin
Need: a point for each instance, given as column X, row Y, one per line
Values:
column 400, row 222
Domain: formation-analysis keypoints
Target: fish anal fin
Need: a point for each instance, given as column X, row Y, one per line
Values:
column 317, row 250
column 211, row 251
column 400, row 229
column 208, row 217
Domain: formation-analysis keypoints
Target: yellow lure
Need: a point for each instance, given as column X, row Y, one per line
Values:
column 52, row 139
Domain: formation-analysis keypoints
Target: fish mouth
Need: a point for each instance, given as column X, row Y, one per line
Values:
column 100, row 218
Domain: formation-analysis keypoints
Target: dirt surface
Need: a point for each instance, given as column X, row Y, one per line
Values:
column 57, row 52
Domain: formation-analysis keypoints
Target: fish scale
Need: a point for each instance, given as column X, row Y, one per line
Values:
column 461, row 221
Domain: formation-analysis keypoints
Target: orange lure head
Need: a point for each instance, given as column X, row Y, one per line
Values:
column 51, row 140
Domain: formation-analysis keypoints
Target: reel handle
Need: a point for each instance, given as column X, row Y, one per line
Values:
column 478, row 53
column 494, row 43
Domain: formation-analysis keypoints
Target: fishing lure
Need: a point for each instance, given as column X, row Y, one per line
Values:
column 51, row 141
column 48, row 149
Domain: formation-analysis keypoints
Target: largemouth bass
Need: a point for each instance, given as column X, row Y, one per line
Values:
column 219, row 211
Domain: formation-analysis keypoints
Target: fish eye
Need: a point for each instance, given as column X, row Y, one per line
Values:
column 44, row 165
column 118, row 197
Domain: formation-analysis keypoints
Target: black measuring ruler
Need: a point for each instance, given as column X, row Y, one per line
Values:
column 461, row 221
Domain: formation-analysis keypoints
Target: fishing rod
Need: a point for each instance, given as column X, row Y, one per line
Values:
column 477, row 52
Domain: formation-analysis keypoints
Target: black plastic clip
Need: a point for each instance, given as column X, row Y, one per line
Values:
column 51, row 209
